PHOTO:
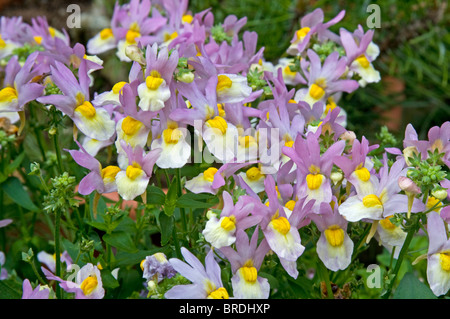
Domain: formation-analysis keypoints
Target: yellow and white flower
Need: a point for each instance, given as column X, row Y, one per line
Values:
column 232, row 88
column 131, row 182
column 101, row 42
column 175, row 150
column 254, row 178
column 202, row 183
column 110, row 97
column 153, row 92
column 221, row 138
column 220, row 232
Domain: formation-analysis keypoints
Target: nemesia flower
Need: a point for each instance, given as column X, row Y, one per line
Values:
column 158, row 75
column 220, row 231
column 358, row 61
column 99, row 179
column 19, row 87
column 324, row 80
column 438, row 256
column 390, row 235
column 312, row 25
column 40, row 292
column 49, row 260
column 206, row 280
column 280, row 232
column 334, row 246
column 93, row 122
column 314, row 169
column 133, row 179
column 157, row 266
column 88, row 282
column 381, row 198
column 245, row 263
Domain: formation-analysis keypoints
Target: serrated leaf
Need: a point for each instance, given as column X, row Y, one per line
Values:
column 16, row 191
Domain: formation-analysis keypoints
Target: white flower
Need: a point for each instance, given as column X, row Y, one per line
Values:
column 232, row 88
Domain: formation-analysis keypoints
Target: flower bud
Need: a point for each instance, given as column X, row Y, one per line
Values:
column 336, row 177
column 406, row 184
column 439, row 193
column 135, row 54
column 186, row 77
column 348, row 136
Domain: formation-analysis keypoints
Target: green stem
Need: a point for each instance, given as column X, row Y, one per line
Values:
column 33, row 266
column 176, row 243
column 58, row 153
column 58, row 250
column 324, row 276
column 180, row 192
column 401, row 256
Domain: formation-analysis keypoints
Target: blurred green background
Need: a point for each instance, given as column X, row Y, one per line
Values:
column 413, row 38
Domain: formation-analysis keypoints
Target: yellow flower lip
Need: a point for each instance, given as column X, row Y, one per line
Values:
column 254, row 173
column 106, row 33
column 290, row 205
column 172, row 135
column 362, row 60
column 218, row 123
column 372, row 200
column 363, row 174
column 89, row 284
column 246, row 141
column 153, row 82
column 86, row 109
column 134, row 171
column 3, row 43
column 220, row 293
column 223, row 83
column 8, row 94
column 250, row 274
column 208, row 174
column 444, row 259
column 281, row 224
column 117, row 88
column 170, row 36
column 334, row 235
column 110, row 172
column 187, row 18
column 131, row 36
column 302, row 33
column 316, row 91
column 314, row 181
column 131, row 126
column 228, row 223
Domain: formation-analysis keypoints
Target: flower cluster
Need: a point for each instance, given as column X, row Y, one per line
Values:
column 270, row 137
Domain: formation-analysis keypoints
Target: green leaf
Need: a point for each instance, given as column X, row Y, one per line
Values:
column 411, row 287
column 166, row 226
column 120, row 240
column 191, row 200
column 10, row 289
column 171, row 198
column 15, row 190
column 155, row 195
column 108, row 279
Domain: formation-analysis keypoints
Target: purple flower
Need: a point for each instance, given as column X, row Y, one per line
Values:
column 157, row 267
column 37, row 293
column 438, row 268
column 19, row 87
column 220, row 231
column 314, row 168
column 380, row 198
column 325, row 80
column 93, row 122
column 245, row 263
column 334, row 246
column 206, row 280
